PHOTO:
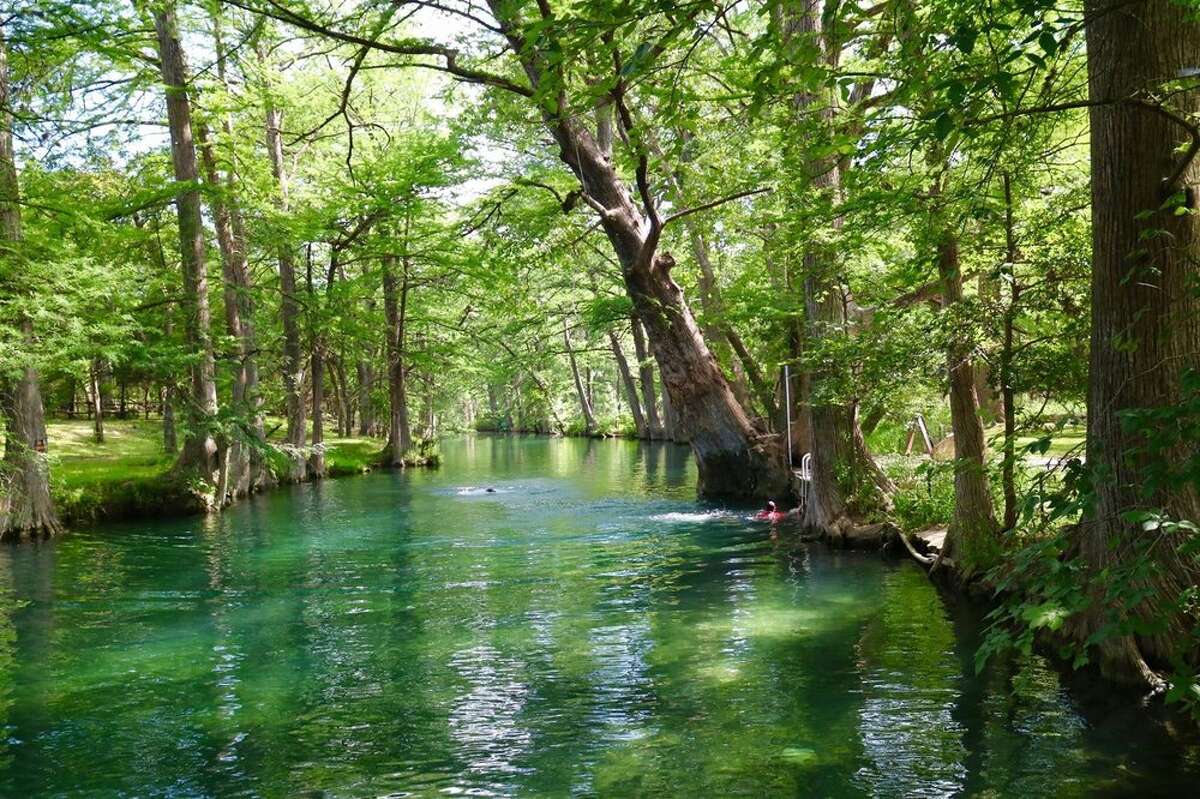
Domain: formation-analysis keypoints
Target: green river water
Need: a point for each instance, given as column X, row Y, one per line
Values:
column 588, row 630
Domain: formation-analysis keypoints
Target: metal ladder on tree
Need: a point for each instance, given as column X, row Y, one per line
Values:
column 803, row 475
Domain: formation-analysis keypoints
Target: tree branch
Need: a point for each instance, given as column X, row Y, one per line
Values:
column 409, row 48
column 714, row 203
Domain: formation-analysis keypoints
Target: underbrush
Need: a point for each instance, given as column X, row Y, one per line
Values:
column 924, row 491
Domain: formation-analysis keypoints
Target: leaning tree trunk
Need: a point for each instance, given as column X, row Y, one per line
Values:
column 395, row 307
column 631, row 392
column 1145, row 326
column 733, row 456
column 717, row 329
column 289, row 305
column 972, row 541
column 199, row 455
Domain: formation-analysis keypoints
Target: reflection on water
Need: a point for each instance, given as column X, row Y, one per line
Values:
column 585, row 629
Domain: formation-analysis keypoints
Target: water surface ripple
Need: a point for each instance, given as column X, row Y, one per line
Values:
column 585, row 629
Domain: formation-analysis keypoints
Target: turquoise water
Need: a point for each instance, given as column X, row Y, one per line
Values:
column 588, row 630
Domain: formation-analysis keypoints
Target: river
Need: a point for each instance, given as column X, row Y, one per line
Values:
column 586, row 629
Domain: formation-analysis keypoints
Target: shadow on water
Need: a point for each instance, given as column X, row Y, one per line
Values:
column 588, row 629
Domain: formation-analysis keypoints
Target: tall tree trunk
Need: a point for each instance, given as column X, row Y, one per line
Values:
column 989, row 399
column 289, row 306
column 95, row 376
column 585, row 404
column 26, row 508
column 236, row 456
column 654, row 426
column 248, row 468
column 972, row 541
column 316, row 460
column 337, row 366
column 1008, row 405
column 170, row 436
column 168, row 391
column 199, row 454
column 1145, row 326
column 840, row 461
column 631, row 392
column 366, row 415
column 670, row 429
column 395, row 308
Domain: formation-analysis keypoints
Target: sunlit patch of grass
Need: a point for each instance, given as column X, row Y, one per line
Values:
column 131, row 450
column 129, row 473
column 1067, row 440
column 351, row 455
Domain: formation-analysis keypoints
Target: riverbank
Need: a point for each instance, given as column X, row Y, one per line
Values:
column 128, row 475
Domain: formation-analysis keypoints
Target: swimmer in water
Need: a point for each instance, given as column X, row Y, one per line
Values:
column 489, row 490
column 771, row 514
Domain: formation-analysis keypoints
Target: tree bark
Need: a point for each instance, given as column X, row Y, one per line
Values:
column 972, row 540
column 733, row 456
column 345, row 408
column 170, row 436
column 395, row 309
column 315, row 467
column 585, row 403
column 26, row 507
column 654, row 426
column 840, row 460
column 289, row 307
column 236, row 456
column 316, row 459
column 631, row 392
column 366, row 414
column 1008, row 405
column 669, row 427
column 95, row 375
column 199, row 454
column 1145, row 325
column 248, row 468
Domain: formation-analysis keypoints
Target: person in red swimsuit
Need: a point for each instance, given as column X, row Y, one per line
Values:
column 771, row 514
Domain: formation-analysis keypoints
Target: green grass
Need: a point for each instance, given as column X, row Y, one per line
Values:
column 130, row 474
column 1069, row 439
column 345, row 456
column 132, row 450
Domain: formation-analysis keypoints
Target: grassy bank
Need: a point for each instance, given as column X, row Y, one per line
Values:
column 129, row 474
